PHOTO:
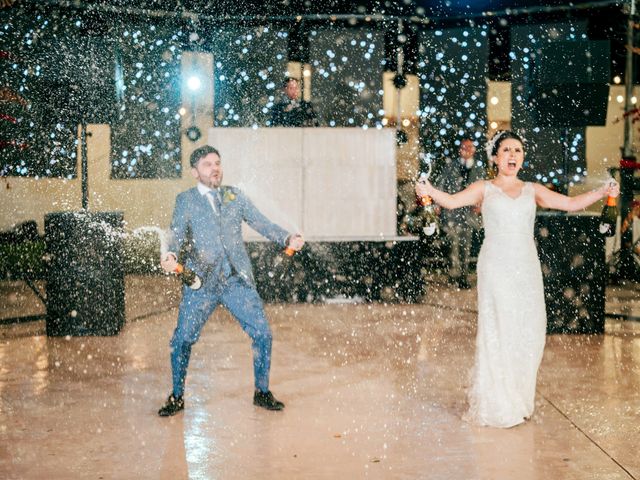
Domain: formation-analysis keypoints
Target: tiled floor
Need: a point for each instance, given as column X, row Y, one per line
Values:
column 372, row 391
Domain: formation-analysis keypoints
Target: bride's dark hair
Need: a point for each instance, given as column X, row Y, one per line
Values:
column 500, row 137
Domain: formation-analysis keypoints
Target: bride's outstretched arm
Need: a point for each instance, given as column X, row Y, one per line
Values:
column 549, row 199
column 472, row 195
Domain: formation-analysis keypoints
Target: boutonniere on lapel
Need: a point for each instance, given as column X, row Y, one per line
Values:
column 228, row 196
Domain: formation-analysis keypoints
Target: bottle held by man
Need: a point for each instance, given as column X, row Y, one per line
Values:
column 294, row 243
column 176, row 262
column 188, row 277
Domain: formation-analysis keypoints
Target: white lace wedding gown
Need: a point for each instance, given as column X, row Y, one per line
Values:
column 511, row 312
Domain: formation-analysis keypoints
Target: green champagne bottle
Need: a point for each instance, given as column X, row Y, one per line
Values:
column 429, row 217
column 609, row 218
column 427, row 211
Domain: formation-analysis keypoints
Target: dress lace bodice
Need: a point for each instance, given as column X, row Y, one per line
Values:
column 502, row 214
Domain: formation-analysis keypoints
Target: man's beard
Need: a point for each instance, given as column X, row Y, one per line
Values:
column 211, row 182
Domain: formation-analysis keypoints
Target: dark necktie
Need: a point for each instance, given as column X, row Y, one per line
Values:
column 226, row 270
column 464, row 173
column 215, row 197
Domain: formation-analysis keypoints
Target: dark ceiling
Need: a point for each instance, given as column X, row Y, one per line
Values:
column 428, row 8
column 606, row 18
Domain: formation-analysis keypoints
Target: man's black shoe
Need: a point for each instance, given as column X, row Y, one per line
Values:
column 267, row 400
column 173, row 406
column 463, row 284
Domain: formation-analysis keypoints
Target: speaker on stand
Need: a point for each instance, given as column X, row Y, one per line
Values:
column 569, row 88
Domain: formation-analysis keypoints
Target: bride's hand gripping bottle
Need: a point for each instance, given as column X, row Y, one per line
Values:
column 428, row 211
column 609, row 217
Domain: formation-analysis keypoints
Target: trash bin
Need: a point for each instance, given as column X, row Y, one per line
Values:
column 85, row 276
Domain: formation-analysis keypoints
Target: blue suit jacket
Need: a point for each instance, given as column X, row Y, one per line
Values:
column 206, row 236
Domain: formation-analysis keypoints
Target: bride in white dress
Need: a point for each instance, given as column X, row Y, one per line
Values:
column 511, row 309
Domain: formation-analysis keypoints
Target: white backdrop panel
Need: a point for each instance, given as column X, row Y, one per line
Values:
column 329, row 183
column 350, row 182
column 266, row 165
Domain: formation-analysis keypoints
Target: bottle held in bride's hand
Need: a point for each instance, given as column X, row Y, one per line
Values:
column 427, row 211
column 609, row 218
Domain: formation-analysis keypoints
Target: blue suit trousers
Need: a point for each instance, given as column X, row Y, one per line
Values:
column 244, row 303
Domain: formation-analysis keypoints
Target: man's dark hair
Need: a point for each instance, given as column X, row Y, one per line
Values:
column 286, row 81
column 201, row 152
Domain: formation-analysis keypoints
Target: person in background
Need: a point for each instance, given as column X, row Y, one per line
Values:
column 460, row 225
column 292, row 111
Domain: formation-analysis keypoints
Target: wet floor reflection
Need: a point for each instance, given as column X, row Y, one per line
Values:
column 372, row 391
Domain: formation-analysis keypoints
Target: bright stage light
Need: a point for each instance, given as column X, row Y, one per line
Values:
column 194, row 83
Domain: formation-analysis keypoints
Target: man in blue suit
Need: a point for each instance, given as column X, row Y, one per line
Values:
column 206, row 223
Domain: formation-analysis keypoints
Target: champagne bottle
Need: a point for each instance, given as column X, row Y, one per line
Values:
column 492, row 171
column 427, row 212
column 429, row 217
column 188, row 277
column 609, row 217
column 288, row 250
